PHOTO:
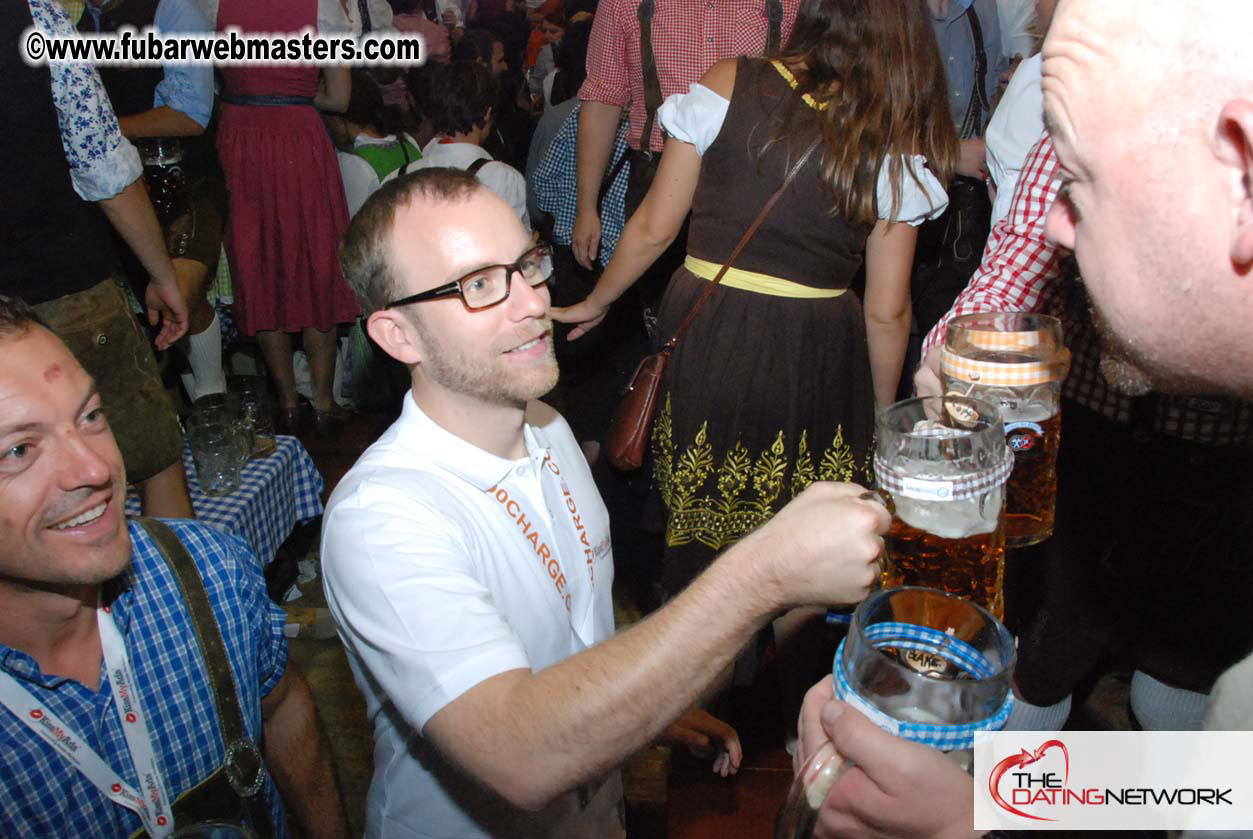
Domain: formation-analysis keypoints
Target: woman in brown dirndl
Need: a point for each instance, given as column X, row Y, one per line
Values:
column 775, row 383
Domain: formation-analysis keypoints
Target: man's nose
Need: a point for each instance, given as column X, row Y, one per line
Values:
column 527, row 301
column 82, row 464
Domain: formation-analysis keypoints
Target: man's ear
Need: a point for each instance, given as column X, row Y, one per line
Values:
column 1234, row 147
column 396, row 335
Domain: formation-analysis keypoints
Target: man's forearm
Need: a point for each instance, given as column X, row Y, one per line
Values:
column 162, row 121
column 131, row 214
column 299, row 759
column 578, row 719
column 598, row 125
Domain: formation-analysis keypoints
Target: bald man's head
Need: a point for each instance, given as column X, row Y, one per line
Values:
column 1151, row 109
column 1183, row 55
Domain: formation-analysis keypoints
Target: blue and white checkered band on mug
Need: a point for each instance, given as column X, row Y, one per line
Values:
column 905, row 636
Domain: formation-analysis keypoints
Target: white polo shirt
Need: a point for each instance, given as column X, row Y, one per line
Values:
column 445, row 565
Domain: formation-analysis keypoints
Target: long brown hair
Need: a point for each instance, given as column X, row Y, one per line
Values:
column 876, row 66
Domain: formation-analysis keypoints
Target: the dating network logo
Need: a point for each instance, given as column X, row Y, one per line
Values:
column 1022, row 781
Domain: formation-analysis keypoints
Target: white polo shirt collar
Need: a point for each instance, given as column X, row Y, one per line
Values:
column 461, row 458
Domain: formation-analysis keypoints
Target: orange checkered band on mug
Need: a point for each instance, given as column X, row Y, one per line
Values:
column 1005, row 349
column 1000, row 374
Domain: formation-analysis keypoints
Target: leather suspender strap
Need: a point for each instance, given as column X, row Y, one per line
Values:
column 648, row 66
column 610, row 177
column 979, row 103
column 363, row 9
column 748, row 234
column 648, row 60
column 243, row 764
column 474, row 167
column 774, row 14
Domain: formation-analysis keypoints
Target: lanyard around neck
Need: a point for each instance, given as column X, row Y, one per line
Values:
column 151, row 799
column 573, row 541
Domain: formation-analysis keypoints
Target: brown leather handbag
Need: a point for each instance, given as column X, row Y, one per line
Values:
column 633, row 420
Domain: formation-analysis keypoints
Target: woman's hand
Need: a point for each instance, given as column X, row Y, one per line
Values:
column 587, row 315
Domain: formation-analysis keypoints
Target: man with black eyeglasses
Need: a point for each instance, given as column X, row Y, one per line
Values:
column 467, row 558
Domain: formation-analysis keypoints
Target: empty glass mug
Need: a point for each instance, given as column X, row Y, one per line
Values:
column 921, row 664
column 221, row 442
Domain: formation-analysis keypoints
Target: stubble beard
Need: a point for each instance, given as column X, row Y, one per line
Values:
column 491, row 379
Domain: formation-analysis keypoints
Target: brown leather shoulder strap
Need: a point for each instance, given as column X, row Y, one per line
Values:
column 748, row 234
column 247, row 781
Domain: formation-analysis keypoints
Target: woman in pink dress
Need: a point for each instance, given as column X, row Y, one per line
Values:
column 287, row 209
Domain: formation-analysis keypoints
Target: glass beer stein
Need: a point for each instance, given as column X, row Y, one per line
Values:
column 943, row 463
column 1016, row 361
column 921, row 664
column 163, row 172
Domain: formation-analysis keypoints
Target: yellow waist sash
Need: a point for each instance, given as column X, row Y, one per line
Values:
column 758, row 283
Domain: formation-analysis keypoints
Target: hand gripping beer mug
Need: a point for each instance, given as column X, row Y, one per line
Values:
column 921, row 664
column 943, row 462
column 1016, row 361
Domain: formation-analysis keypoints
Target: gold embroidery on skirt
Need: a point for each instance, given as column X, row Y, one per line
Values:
column 746, row 491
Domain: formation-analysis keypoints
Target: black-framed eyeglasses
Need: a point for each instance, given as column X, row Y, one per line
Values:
column 485, row 287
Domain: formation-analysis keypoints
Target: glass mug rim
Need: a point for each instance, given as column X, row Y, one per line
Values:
column 1008, row 651
column 1043, row 321
column 1043, row 335
column 985, row 408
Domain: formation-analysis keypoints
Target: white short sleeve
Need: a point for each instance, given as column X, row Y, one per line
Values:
column 333, row 18
column 360, row 180
column 694, row 117
column 401, row 581
column 918, row 202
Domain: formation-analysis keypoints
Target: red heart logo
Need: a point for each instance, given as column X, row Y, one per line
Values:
column 1025, row 758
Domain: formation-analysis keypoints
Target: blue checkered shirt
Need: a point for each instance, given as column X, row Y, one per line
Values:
column 43, row 795
column 556, row 187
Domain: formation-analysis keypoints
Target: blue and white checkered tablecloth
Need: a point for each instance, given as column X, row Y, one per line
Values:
column 274, row 493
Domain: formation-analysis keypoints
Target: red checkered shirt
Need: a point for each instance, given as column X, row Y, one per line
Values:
column 689, row 36
column 1021, row 272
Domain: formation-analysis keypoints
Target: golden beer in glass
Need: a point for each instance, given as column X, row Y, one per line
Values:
column 943, row 462
column 1016, row 361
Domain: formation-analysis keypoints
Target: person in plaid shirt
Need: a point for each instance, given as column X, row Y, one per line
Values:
column 1153, row 136
column 97, row 641
column 1112, row 570
column 688, row 36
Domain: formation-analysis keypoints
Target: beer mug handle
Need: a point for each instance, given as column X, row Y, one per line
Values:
column 882, row 496
column 810, row 787
column 1062, row 364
